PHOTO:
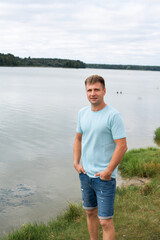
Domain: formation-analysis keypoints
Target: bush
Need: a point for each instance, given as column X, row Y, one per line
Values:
column 157, row 133
column 141, row 162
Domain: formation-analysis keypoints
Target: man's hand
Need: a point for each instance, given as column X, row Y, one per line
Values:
column 79, row 168
column 104, row 175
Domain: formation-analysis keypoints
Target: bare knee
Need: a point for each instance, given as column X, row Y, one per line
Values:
column 91, row 213
column 106, row 224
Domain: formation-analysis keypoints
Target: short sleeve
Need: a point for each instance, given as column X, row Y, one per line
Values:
column 117, row 127
column 79, row 129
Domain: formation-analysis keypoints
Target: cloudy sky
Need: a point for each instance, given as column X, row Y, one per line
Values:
column 94, row 31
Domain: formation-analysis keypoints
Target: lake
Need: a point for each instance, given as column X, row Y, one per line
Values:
column 38, row 114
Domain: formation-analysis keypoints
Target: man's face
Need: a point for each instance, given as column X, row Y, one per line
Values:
column 95, row 93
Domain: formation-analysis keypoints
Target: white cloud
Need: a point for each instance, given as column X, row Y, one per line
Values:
column 120, row 31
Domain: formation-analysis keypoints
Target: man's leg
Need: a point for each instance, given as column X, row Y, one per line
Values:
column 90, row 205
column 93, row 223
column 105, row 191
column 108, row 229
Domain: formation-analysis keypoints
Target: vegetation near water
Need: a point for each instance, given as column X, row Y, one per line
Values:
column 141, row 162
column 11, row 60
column 157, row 134
column 137, row 209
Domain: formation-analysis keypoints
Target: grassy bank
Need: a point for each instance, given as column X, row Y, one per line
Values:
column 141, row 163
column 137, row 209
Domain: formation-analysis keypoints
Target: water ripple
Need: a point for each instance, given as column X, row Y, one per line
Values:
column 18, row 196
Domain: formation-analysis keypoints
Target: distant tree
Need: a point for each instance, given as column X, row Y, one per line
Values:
column 11, row 60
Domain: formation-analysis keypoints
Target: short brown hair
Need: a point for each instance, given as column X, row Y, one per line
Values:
column 94, row 79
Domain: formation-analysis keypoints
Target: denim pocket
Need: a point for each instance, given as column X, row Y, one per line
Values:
column 80, row 174
column 106, row 183
column 112, row 179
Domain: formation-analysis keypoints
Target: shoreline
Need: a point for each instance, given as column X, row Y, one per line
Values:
column 137, row 204
column 136, row 207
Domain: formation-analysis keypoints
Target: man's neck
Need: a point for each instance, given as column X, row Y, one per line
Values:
column 99, row 107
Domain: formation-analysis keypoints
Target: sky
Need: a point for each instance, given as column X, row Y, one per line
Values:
column 93, row 31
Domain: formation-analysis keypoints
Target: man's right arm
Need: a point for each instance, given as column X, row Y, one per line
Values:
column 77, row 153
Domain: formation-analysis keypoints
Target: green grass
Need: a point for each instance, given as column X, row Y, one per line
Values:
column 157, row 134
column 141, row 162
column 61, row 228
column 137, row 214
column 137, row 209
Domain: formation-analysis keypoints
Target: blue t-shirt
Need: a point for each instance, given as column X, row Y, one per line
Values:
column 99, row 130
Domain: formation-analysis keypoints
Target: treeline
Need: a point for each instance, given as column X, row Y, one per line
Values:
column 124, row 67
column 11, row 60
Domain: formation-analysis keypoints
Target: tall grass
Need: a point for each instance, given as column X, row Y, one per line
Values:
column 137, row 214
column 141, row 162
column 53, row 230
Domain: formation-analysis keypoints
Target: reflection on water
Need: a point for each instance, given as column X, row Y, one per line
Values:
column 38, row 114
column 19, row 196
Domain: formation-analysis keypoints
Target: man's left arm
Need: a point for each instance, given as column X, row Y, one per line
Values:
column 121, row 148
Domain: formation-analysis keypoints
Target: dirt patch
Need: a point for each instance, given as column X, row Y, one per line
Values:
column 135, row 181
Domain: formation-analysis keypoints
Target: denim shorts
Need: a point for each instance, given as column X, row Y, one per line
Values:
column 98, row 193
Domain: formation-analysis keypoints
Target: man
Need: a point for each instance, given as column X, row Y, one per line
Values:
column 101, row 142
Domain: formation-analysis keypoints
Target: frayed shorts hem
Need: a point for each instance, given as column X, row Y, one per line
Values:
column 103, row 218
column 89, row 208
